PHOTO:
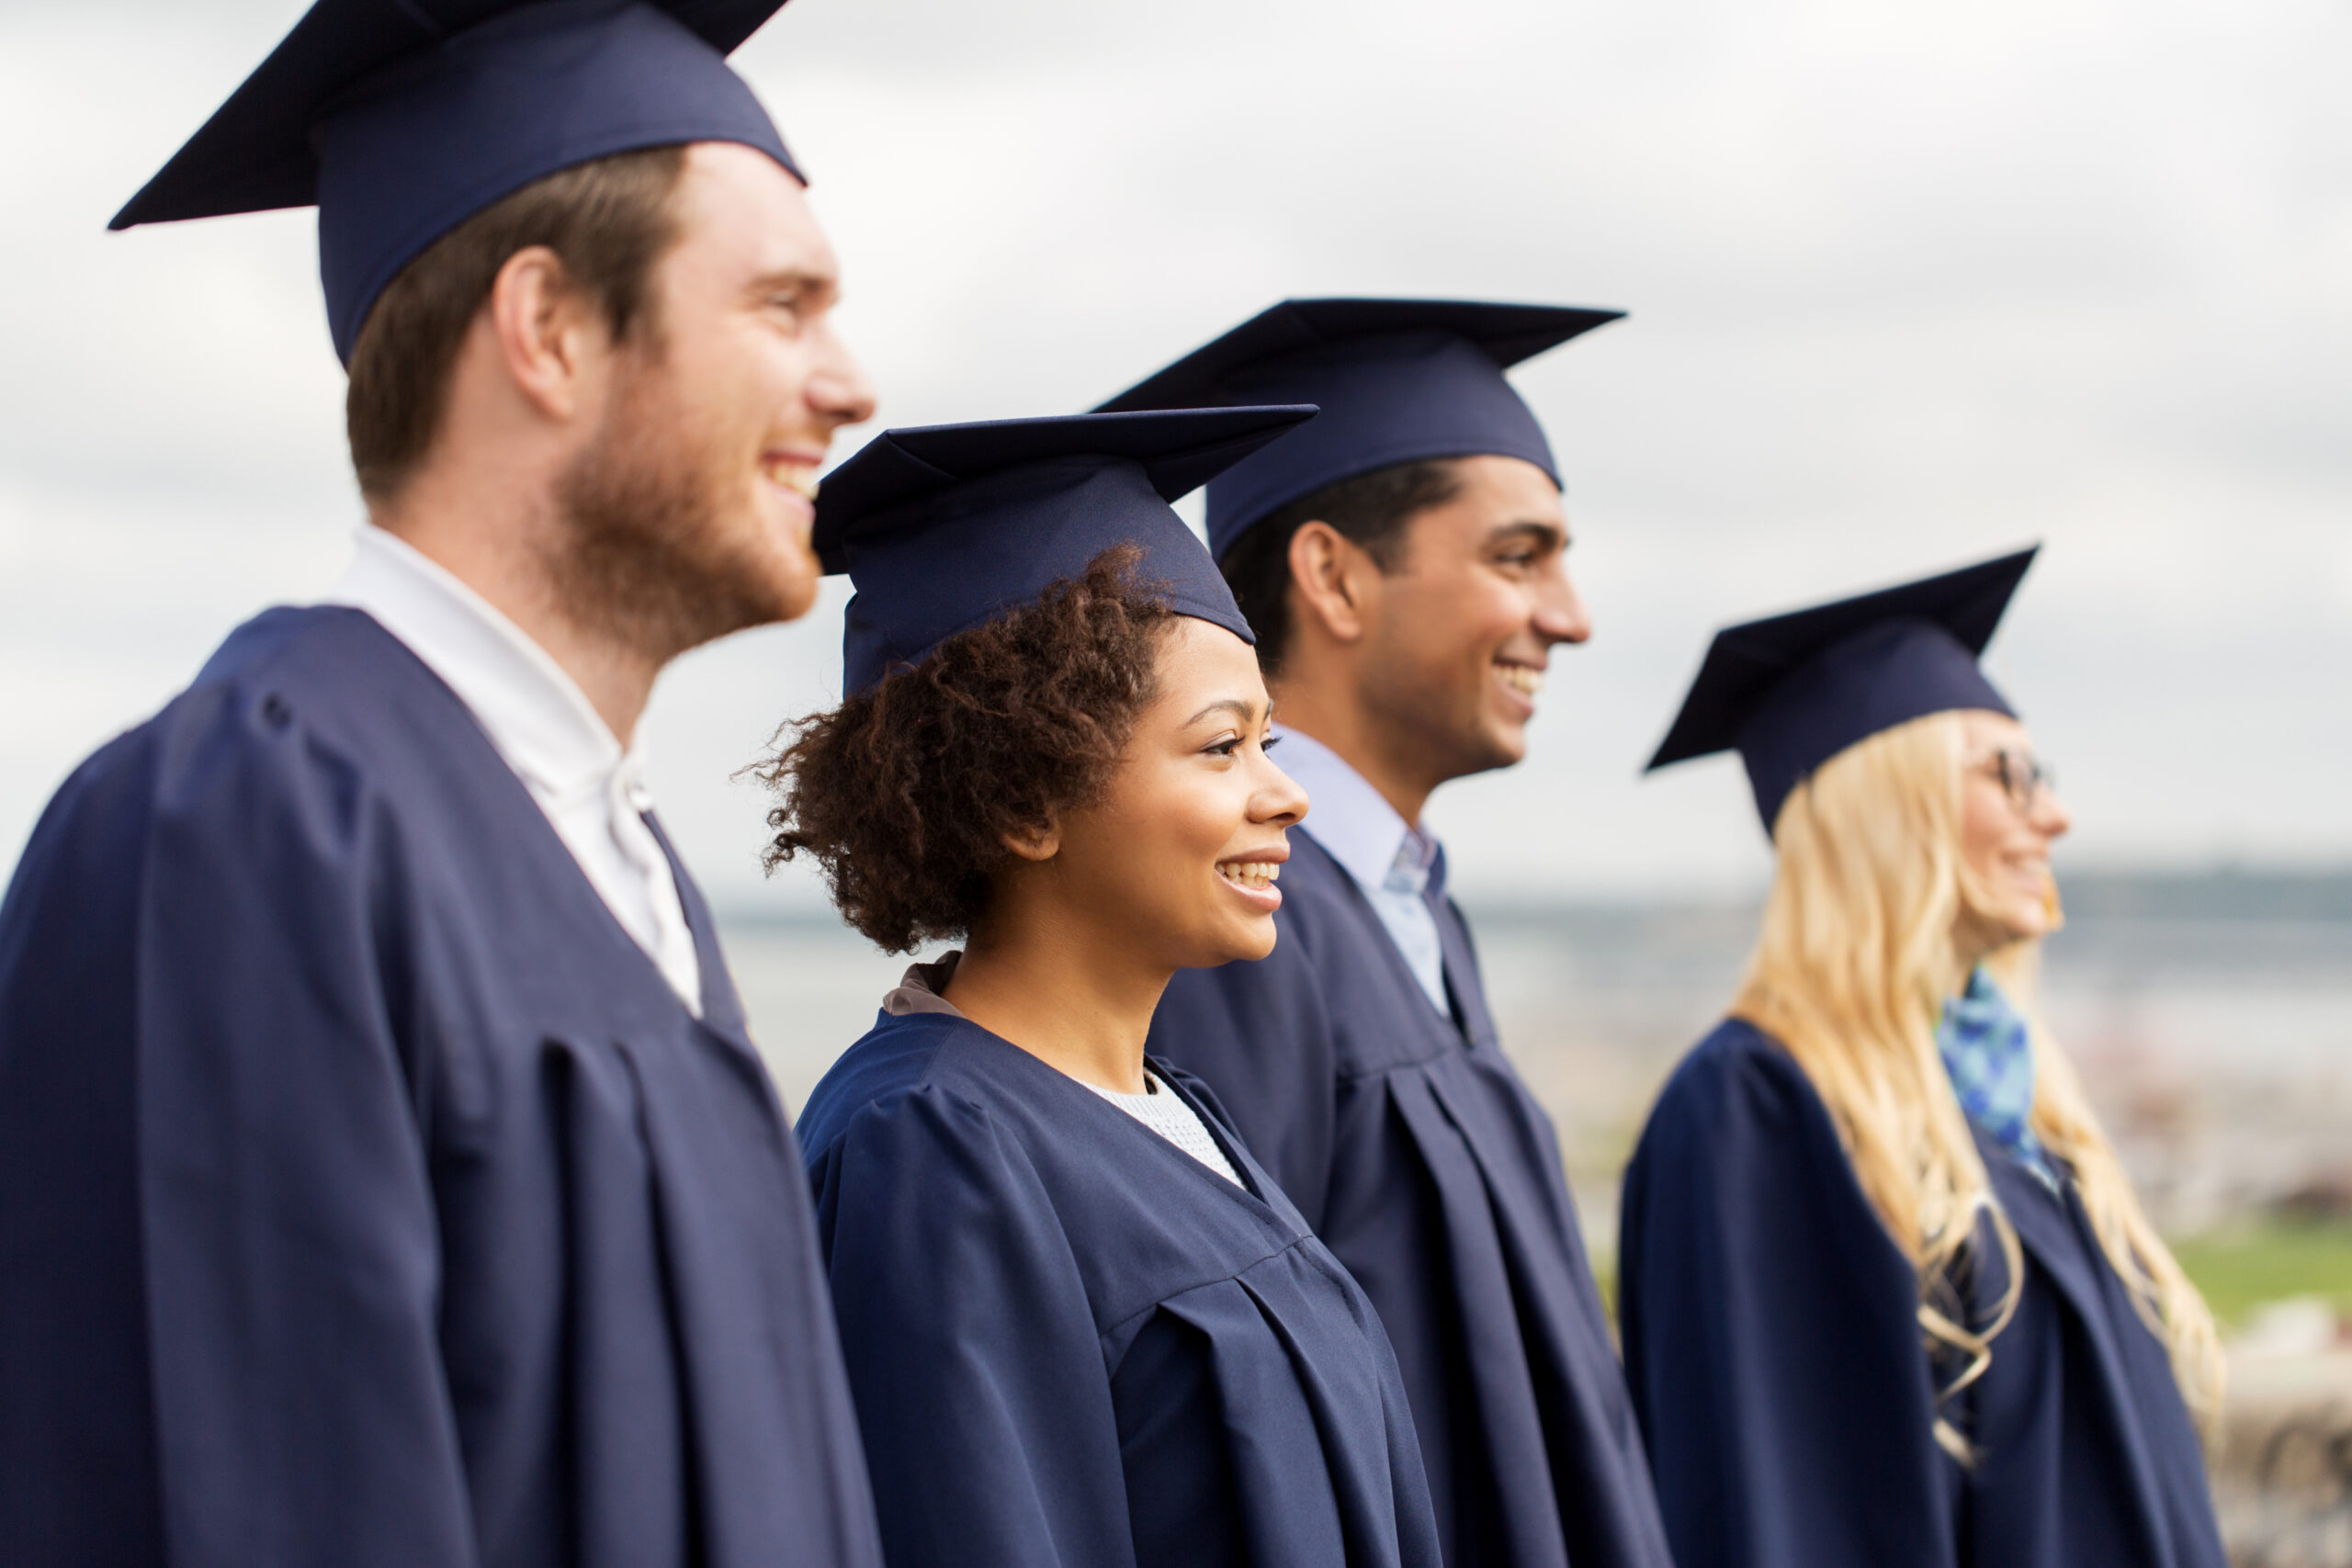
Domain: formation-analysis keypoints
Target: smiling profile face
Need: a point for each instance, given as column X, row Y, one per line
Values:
column 1468, row 618
column 1182, row 854
column 693, row 498
column 2006, row 830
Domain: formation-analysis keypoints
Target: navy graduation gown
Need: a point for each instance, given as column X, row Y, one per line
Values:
column 365, row 1195
column 1774, row 1351
column 1070, row 1343
column 1415, row 1152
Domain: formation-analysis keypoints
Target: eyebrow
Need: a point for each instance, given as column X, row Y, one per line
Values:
column 1551, row 533
column 1238, row 707
column 825, row 286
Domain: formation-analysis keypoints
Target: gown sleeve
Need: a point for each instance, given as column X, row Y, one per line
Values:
column 301, row 1414
column 1770, row 1334
column 978, row 1370
column 1261, row 1035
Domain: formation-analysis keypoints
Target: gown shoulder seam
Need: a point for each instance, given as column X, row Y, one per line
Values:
column 1235, row 1273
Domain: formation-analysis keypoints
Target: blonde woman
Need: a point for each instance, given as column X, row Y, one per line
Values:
column 1888, row 1299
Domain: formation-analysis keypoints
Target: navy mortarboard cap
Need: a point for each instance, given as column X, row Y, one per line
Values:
column 401, row 119
column 1398, row 381
column 945, row 526
column 1792, row 692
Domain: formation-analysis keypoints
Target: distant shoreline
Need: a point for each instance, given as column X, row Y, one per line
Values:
column 2222, row 895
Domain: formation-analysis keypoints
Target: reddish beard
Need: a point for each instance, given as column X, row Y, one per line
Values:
column 659, row 550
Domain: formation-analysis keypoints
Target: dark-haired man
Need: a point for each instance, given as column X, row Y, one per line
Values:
column 1401, row 559
column 385, row 1175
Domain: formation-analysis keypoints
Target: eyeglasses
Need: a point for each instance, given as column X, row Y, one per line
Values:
column 2023, row 776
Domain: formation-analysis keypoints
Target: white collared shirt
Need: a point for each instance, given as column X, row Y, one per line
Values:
column 541, row 722
column 1387, row 856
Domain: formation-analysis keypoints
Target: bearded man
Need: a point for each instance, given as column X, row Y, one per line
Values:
column 386, row 1177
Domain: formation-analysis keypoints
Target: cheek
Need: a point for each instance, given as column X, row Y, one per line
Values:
column 1450, row 623
column 1176, row 830
column 1483, row 615
column 1982, row 832
column 1988, row 833
column 773, row 373
column 721, row 383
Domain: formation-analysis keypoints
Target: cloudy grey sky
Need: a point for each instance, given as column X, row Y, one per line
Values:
column 1909, row 285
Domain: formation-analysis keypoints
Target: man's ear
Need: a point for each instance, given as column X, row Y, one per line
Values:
column 1336, row 580
column 1035, row 844
column 550, row 334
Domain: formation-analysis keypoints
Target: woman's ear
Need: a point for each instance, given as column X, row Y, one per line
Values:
column 1040, row 843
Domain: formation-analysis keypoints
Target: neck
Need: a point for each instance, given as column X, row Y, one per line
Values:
column 1973, row 941
column 502, row 541
column 1329, row 712
column 1064, row 989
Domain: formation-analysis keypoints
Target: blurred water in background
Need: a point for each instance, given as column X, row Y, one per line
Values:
column 2211, row 1016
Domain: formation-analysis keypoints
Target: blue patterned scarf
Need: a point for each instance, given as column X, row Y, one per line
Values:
column 1988, row 1052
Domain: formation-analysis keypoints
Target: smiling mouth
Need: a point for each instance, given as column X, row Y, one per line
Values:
column 1524, row 679
column 792, row 474
column 1255, row 876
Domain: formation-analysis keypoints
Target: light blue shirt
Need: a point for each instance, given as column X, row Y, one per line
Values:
column 1387, row 856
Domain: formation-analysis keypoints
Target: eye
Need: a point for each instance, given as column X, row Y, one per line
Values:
column 1224, row 748
column 1272, row 741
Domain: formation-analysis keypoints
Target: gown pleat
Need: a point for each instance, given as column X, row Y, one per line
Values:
column 1072, row 1343
column 1422, row 1160
column 437, row 1229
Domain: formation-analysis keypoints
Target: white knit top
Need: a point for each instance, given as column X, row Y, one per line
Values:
column 1164, row 1112
column 1159, row 1107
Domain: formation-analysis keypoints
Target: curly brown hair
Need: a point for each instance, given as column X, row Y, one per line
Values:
column 907, row 793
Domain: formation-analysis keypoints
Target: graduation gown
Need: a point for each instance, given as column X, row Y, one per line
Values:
column 1774, row 1351
column 1415, row 1152
column 1073, row 1344
column 366, row 1197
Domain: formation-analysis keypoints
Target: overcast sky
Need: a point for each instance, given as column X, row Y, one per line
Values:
column 1909, row 285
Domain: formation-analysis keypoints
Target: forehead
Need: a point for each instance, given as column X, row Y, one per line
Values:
column 1495, row 492
column 1989, row 731
column 740, row 214
column 1201, row 663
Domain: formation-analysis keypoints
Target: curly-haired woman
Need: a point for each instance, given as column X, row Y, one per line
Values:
column 1888, row 1299
column 1083, row 1325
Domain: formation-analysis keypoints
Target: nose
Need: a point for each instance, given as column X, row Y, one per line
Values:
column 1278, row 801
column 838, row 388
column 2050, row 816
column 1560, row 613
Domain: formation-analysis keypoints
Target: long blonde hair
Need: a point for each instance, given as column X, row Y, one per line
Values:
column 1850, row 972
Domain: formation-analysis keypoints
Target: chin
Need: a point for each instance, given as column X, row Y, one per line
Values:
column 789, row 576
column 1246, row 946
column 1260, row 948
column 794, row 595
column 2023, row 926
column 1499, row 748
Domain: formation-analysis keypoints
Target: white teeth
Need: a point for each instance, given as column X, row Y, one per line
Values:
column 1256, row 874
column 1522, row 678
column 798, row 477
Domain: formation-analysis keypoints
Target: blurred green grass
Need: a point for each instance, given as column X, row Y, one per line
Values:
column 2240, row 1269
column 2236, row 1269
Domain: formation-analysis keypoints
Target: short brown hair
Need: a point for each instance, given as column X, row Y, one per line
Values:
column 609, row 221
column 1370, row 509
column 906, row 793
